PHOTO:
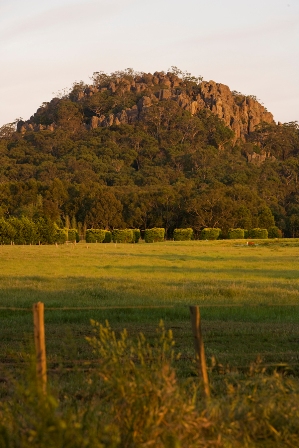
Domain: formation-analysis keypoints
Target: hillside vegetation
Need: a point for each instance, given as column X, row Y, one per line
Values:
column 137, row 150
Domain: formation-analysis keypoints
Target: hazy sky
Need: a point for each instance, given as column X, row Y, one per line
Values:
column 46, row 45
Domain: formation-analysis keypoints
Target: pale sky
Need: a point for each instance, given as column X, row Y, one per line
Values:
column 47, row 45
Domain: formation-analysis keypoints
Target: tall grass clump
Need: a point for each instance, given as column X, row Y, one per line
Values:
column 31, row 419
column 260, row 410
column 134, row 400
column 141, row 394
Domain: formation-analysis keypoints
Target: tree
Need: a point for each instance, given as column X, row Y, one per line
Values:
column 104, row 210
column 265, row 218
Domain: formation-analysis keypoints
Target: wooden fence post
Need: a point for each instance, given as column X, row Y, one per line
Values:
column 40, row 347
column 199, row 348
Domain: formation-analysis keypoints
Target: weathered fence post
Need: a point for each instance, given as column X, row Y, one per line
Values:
column 40, row 347
column 199, row 348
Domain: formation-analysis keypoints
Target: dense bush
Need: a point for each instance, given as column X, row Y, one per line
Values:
column 154, row 235
column 236, row 234
column 183, row 234
column 7, row 232
column 61, row 236
column 25, row 231
column 258, row 233
column 122, row 236
column 73, row 235
column 274, row 232
column 136, row 235
column 108, row 237
column 95, row 235
column 47, row 231
column 210, row 233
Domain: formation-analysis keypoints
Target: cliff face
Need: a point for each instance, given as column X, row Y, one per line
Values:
column 240, row 113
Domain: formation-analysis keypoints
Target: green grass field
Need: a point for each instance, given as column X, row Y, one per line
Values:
column 248, row 297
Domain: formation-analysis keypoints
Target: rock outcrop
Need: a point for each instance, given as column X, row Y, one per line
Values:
column 239, row 112
column 258, row 159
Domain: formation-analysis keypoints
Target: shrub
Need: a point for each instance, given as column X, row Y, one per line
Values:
column 183, row 234
column 46, row 231
column 123, row 236
column 258, row 233
column 274, row 232
column 236, row 234
column 73, row 235
column 61, row 236
column 7, row 232
column 210, row 233
column 108, row 237
column 26, row 231
column 136, row 235
column 95, row 235
column 154, row 235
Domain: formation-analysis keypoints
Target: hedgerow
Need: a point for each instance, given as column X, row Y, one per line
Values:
column 122, row 236
column 210, row 233
column 236, row 234
column 258, row 233
column 154, row 235
column 95, row 235
column 136, row 235
column 183, row 234
column 73, row 235
column 108, row 237
column 61, row 236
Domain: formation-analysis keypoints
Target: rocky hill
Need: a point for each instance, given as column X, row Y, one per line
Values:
column 124, row 97
column 144, row 150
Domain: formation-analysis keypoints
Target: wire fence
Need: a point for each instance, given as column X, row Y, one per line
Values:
column 204, row 305
column 69, row 365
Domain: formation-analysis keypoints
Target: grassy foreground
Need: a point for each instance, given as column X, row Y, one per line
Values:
column 249, row 304
column 235, row 285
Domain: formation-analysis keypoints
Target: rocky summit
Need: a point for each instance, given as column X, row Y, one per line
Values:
column 239, row 112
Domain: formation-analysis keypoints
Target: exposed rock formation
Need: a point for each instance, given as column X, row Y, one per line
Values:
column 258, row 159
column 239, row 112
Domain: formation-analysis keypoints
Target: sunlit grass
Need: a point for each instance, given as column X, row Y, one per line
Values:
column 235, row 285
column 144, row 274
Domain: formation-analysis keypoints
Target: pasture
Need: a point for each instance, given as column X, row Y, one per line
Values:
column 122, row 393
column 248, row 296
